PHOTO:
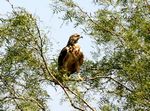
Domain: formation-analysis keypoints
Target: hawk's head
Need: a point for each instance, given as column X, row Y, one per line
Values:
column 74, row 39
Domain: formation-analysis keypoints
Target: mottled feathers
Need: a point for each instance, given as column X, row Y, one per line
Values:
column 71, row 57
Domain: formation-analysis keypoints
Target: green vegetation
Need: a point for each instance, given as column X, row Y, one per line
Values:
column 118, row 81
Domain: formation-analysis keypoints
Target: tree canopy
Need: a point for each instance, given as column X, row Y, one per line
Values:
column 117, row 80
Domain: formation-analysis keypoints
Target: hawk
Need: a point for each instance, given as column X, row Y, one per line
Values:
column 71, row 56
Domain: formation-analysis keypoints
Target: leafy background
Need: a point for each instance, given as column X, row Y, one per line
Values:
column 118, row 80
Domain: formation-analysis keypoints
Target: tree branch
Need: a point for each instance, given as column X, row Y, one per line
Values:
column 58, row 82
column 96, row 22
column 72, row 104
column 106, row 77
column 80, row 98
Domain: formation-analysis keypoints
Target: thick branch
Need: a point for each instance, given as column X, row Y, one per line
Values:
column 80, row 98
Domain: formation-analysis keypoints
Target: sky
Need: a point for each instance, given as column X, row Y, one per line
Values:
column 58, row 36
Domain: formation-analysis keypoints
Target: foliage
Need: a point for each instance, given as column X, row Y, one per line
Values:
column 21, row 71
column 118, row 81
column 123, row 73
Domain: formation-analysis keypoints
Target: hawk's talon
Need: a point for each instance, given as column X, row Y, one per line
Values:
column 80, row 78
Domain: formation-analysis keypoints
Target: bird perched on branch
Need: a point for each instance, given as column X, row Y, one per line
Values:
column 71, row 57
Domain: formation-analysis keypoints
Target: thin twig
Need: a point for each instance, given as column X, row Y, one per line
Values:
column 106, row 77
column 95, row 21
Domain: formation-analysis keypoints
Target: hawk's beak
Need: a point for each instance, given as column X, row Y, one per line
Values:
column 81, row 36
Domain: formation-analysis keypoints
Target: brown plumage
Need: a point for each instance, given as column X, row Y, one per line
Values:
column 71, row 57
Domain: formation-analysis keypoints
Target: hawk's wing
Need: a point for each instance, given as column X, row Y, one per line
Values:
column 61, row 57
column 81, row 58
